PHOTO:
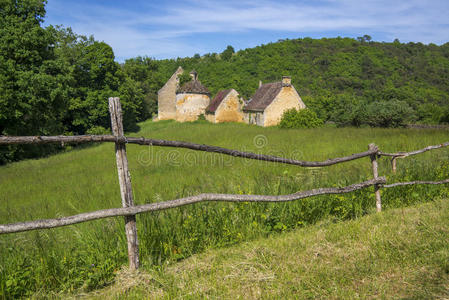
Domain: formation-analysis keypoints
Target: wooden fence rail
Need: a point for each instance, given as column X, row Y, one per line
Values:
column 5, row 140
column 129, row 210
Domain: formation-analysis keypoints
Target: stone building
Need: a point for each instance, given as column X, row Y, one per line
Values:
column 188, row 102
column 226, row 106
column 191, row 100
column 166, row 97
column 270, row 101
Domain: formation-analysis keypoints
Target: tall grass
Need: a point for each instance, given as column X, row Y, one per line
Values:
column 87, row 255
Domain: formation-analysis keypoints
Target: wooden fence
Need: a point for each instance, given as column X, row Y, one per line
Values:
column 129, row 210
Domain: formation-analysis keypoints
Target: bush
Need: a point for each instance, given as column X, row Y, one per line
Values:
column 304, row 118
column 346, row 110
column 393, row 113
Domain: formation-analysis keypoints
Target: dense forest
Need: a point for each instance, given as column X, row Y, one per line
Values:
column 54, row 81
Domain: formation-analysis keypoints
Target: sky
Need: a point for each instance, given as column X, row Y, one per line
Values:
column 180, row 28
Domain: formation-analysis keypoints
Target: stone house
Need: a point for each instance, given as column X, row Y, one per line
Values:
column 270, row 101
column 191, row 100
column 166, row 97
column 227, row 106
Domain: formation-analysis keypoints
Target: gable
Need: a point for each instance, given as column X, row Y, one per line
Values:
column 173, row 80
column 219, row 97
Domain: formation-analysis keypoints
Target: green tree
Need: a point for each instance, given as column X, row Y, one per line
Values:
column 227, row 53
column 144, row 71
column 95, row 78
column 33, row 93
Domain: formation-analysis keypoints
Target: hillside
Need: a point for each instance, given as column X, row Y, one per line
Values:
column 337, row 77
column 86, row 256
column 401, row 253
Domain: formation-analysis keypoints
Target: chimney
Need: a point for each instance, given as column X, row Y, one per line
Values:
column 286, row 80
column 194, row 75
column 260, row 83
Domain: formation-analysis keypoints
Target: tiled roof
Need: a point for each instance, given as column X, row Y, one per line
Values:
column 217, row 100
column 264, row 96
column 193, row 87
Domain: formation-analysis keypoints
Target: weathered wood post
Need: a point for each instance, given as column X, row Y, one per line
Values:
column 375, row 175
column 393, row 164
column 124, row 177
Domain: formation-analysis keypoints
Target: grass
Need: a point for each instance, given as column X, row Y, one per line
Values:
column 399, row 254
column 87, row 256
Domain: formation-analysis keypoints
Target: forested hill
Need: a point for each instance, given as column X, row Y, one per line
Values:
column 340, row 78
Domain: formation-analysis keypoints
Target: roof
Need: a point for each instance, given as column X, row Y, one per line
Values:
column 219, row 97
column 193, row 87
column 264, row 96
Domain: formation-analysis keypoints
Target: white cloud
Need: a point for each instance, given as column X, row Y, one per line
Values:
column 141, row 31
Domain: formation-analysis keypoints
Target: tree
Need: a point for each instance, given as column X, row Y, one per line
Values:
column 96, row 77
column 144, row 71
column 367, row 38
column 53, row 81
column 227, row 54
column 33, row 85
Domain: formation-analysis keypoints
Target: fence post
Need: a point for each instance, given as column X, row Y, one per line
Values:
column 375, row 175
column 124, row 177
column 393, row 164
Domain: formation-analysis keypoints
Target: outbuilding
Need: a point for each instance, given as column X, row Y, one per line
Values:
column 227, row 106
column 270, row 102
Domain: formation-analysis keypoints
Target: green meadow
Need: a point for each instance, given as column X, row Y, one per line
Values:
column 87, row 256
column 402, row 253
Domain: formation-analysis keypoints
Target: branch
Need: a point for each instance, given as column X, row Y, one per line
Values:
column 177, row 144
column 79, row 139
column 415, row 182
column 404, row 154
column 128, row 211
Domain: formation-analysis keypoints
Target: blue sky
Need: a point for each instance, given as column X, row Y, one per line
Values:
column 180, row 28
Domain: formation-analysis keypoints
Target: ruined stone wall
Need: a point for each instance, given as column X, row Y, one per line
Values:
column 287, row 98
column 166, row 97
column 230, row 109
column 190, row 106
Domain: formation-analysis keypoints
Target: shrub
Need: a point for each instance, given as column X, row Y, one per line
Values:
column 98, row 130
column 346, row 110
column 304, row 118
column 393, row 113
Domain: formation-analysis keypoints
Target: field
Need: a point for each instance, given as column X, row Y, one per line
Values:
column 400, row 254
column 87, row 256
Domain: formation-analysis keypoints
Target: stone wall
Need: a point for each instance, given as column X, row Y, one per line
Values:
column 230, row 109
column 210, row 117
column 190, row 106
column 255, row 118
column 287, row 98
column 166, row 97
